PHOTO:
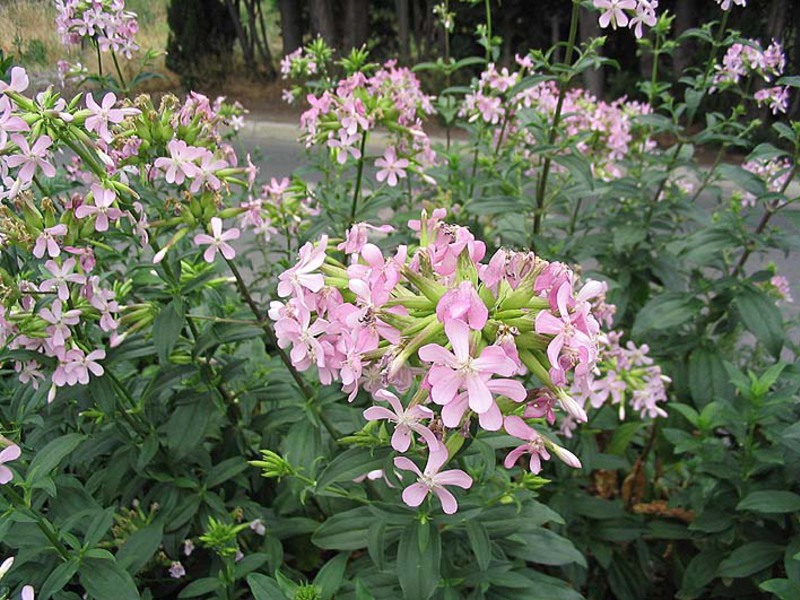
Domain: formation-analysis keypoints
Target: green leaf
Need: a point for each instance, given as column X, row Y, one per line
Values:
column 623, row 436
column 99, row 526
column 771, row 501
column 792, row 81
column 222, row 472
column 351, row 464
column 49, row 457
column 187, row 425
column 480, row 542
column 749, row 559
column 57, row 579
column 345, row 530
column 700, row 572
column 167, row 328
column 330, row 576
column 201, row 587
column 106, row 579
column 762, row 317
column 667, row 311
column 264, row 588
column 708, row 378
column 139, row 548
column 782, row 588
column 418, row 563
column 545, row 547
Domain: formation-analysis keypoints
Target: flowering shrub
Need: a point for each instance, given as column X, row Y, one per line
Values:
column 216, row 386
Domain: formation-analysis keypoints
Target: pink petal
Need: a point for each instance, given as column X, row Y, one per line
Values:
column 492, row 419
column 458, row 334
column 480, row 398
column 455, row 477
column 401, row 438
column 5, row 475
column 519, row 429
column 415, row 494
column 434, row 353
column 445, row 383
column 494, row 359
column 513, row 456
column 453, row 411
column 449, row 504
column 401, row 462
column 511, row 388
column 13, row 452
column 376, row 413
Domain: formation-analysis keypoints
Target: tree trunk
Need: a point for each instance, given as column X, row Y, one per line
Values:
column 244, row 42
column 356, row 22
column 403, row 30
column 261, row 39
column 776, row 20
column 593, row 79
column 290, row 25
column 322, row 22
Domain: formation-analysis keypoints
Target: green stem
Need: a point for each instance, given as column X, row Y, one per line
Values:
column 541, row 186
column 771, row 209
column 41, row 522
column 99, row 59
column 123, row 84
column 359, row 177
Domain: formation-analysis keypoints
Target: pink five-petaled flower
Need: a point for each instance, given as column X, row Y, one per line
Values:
column 46, row 241
column 405, row 421
column 105, row 113
column 431, row 480
column 180, row 164
column 614, row 12
column 62, row 275
column 391, row 167
column 302, row 274
column 463, row 304
column 59, row 322
column 534, row 444
column 13, row 452
column 217, row 241
column 31, row 157
column 103, row 208
column 19, row 81
column 456, row 370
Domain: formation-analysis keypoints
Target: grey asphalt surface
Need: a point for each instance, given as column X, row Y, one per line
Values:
column 277, row 152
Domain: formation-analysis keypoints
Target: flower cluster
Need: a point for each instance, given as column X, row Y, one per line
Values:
column 629, row 378
column 105, row 22
column 634, row 14
column 449, row 331
column 605, row 133
column 282, row 207
column 775, row 174
column 392, row 97
column 749, row 59
column 58, row 309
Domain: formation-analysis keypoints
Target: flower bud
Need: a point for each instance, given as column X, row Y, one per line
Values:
column 6, row 566
column 567, row 457
column 273, row 465
column 431, row 289
column 572, row 408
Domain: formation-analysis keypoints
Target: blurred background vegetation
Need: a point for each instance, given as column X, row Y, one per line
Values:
column 237, row 44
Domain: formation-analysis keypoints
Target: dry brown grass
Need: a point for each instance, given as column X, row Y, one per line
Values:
column 27, row 31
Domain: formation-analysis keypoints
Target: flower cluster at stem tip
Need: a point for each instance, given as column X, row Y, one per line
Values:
column 451, row 335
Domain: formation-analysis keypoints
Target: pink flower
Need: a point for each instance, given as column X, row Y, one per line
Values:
column 453, row 371
column 391, row 167
column 357, row 237
column 62, row 275
column 60, row 322
column 79, row 364
column 534, row 444
column 19, row 81
column 344, row 145
column 302, row 274
column 13, row 452
column 176, row 570
column 405, row 421
column 105, row 113
column 614, row 12
column 463, row 304
column 218, row 241
column 46, row 241
column 31, row 157
column 103, row 208
column 180, row 164
column 431, row 480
